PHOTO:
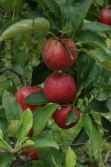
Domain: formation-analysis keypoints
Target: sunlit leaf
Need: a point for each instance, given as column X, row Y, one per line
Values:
column 12, row 108
column 70, row 158
column 26, row 124
column 42, row 116
column 23, row 26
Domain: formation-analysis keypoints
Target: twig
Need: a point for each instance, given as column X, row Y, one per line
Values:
column 107, row 156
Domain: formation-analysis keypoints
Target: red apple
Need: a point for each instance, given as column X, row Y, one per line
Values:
column 57, row 55
column 60, row 87
column 30, row 133
column 23, row 92
column 61, row 116
column 105, row 16
column 32, row 153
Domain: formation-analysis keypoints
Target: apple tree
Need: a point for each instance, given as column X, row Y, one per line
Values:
column 55, row 83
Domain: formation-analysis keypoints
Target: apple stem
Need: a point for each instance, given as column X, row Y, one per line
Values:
column 78, row 94
column 63, row 44
column 53, row 35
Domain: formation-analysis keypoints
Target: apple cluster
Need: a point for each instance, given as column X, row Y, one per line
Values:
column 58, row 54
column 59, row 87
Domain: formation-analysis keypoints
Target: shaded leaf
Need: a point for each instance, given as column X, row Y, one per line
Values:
column 53, row 158
column 98, row 106
column 93, row 39
column 101, row 163
column 92, row 76
column 54, row 7
column 9, row 5
column 71, row 117
column 75, row 11
column 40, row 73
column 80, row 139
column 3, row 126
column 106, row 124
column 36, row 98
column 96, row 26
column 5, row 159
column 101, row 57
column 102, row 96
column 108, row 104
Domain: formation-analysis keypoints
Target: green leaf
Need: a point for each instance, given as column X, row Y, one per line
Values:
column 12, row 108
column 1, row 134
column 101, row 162
column 71, row 117
column 3, row 126
column 87, row 123
column 9, row 5
column 28, row 143
column 20, row 58
column 108, row 104
column 75, row 11
column 101, row 57
column 54, row 157
column 24, row 26
column 4, row 145
column 44, row 142
column 106, row 124
column 5, row 159
column 36, row 98
column 53, row 6
column 82, row 58
column 80, row 139
column 26, row 124
column 42, row 116
column 94, row 134
column 100, row 2
column 70, row 158
column 98, row 106
column 91, row 38
column 94, row 71
column 96, row 26
column 102, row 96
column 13, row 127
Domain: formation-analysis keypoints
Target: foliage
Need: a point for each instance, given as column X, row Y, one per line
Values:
column 25, row 26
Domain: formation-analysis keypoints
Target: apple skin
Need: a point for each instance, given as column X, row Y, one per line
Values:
column 30, row 132
column 60, row 117
column 23, row 92
column 105, row 16
column 60, row 87
column 56, row 56
column 32, row 153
